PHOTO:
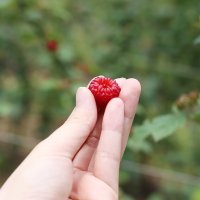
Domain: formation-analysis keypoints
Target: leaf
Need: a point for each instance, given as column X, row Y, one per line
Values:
column 33, row 14
column 160, row 127
column 142, row 132
column 65, row 53
column 196, row 116
column 137, row 141
column 197, row 40
column 142, row 145
column 196, row 194
column 165, row 125
column 8, row 109
column 5, row 3
column 48, row 85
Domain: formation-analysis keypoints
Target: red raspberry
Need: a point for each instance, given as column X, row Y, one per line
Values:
column 103, row 89
column 52, row 45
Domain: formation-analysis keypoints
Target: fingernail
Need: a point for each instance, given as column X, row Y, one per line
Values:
column 82, row 98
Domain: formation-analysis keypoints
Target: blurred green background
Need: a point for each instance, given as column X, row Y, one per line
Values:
column 50, row 48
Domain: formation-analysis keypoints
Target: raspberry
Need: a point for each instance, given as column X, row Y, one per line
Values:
column 103, row 89
column 52, row 45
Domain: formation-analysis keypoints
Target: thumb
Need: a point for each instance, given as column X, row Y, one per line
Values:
column 68, row 138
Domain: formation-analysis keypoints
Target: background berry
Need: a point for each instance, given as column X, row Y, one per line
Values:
column 52, row 45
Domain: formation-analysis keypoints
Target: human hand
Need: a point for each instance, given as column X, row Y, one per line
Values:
column 81, row 159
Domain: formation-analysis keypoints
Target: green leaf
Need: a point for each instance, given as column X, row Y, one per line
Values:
column 165, row 125
column 124, row 177
column 5, row 3
column 33, row 14
column 137, row 141
column 160, row 127
column 8, row 109
column 141, row 145
column 196, row 194
column 65, row 53
column 142, row 132
column 197, row 40
column 47, row 85
column 196, row 115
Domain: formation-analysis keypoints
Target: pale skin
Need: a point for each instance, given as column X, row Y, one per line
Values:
column 81, row 159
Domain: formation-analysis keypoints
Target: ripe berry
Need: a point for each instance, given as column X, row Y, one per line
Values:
column 103, row 89
column 52, row 45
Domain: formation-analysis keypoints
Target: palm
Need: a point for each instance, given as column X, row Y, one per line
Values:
column 90, row 187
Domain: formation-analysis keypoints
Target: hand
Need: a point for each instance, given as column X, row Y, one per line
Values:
column 81, row 159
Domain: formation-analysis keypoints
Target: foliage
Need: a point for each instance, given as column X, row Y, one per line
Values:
column 158, row 128
column 154, row 41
